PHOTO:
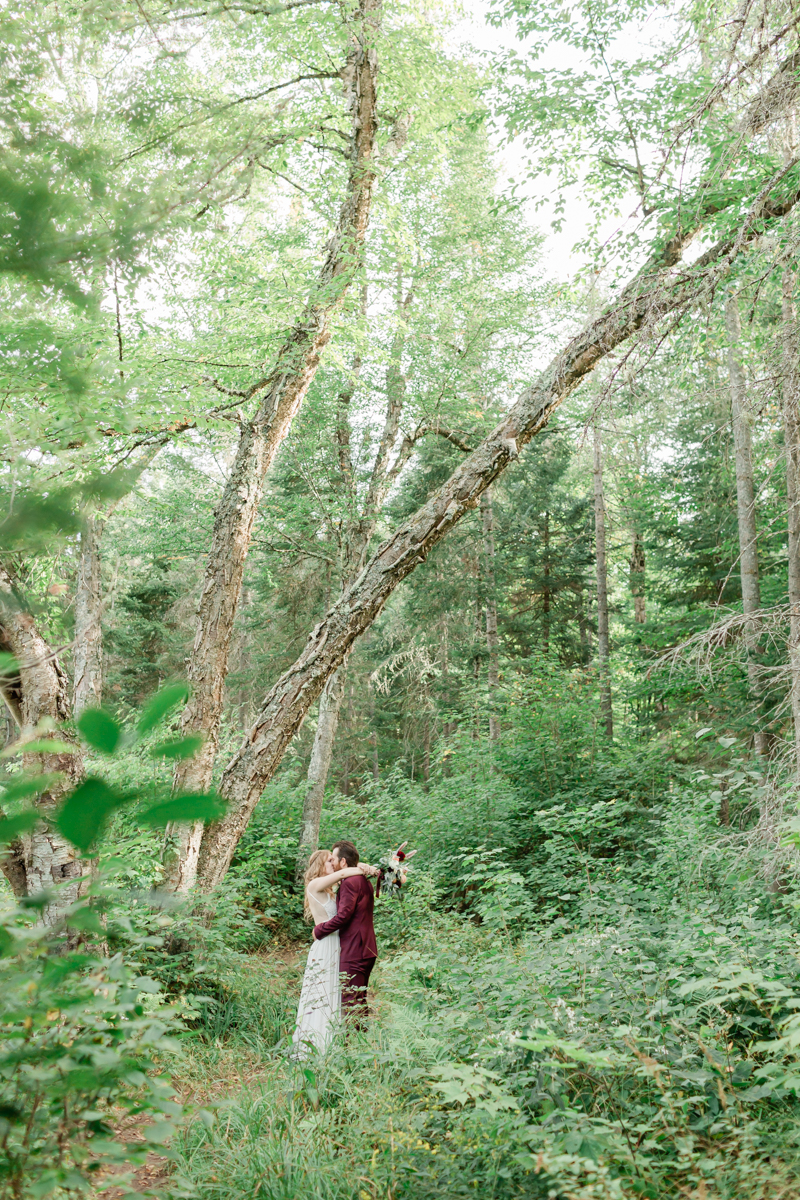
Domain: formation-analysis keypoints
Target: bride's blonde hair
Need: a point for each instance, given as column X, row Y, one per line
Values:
column 315, row 868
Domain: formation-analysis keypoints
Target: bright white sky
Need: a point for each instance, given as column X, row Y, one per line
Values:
column 560, row 260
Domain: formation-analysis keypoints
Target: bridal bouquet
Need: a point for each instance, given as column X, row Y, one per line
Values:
column 393, row 870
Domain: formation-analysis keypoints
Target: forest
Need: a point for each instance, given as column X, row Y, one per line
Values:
column 400, row 411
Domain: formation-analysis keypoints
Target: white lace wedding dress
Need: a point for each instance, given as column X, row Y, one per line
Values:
column 320, row 1008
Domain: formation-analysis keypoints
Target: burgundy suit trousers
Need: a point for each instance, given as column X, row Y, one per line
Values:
column 355, row 980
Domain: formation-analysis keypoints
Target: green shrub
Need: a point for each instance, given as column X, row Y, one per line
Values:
column 83, row 1036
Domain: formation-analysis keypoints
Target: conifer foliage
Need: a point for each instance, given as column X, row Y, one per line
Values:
column 400, row 442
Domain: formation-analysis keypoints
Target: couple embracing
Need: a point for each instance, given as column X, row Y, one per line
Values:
column 344, row 949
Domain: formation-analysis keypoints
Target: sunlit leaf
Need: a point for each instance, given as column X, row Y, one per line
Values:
column 160, row 705
column 191, row 806
column 180, row 748
column 99, row 729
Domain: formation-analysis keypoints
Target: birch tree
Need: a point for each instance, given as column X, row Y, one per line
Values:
column 281, row 393
column 36, row 691
column 655, row 293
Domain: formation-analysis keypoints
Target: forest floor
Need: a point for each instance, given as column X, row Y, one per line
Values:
column 435, row 1102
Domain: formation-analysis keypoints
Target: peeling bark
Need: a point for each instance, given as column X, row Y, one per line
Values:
column 282, row 392
column 654, row 293
column 745, row 505
column 42, row 858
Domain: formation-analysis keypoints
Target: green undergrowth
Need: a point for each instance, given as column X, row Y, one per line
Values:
column 636, row 1053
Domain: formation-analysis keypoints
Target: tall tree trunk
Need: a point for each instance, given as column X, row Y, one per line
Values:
column 355, row 543
column 329, row 704
column 493, row 672
column 791, row 426
column 546, row 593
column 426, row 742
column 583, row 632
column 88, row 643
column 745, row 505
column 373, row 741
column 88, row 646
column 637, row 578
column 476, row 666
column 283, row 392
column 654, row 293
column 603, row 643
column 41, row 860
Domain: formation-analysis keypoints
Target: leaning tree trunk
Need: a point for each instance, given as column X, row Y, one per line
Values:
column 791, row 425
column 88, row 644
column 283, row 393
column 493, row 669
column 356, row 542
column 603, row 642
column 41, row 860
column 745, row 506
column 653, row 294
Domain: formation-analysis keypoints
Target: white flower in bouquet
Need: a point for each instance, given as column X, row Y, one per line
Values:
column 393, row 870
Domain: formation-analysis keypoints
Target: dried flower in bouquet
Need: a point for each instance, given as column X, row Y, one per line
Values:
column 393, row 870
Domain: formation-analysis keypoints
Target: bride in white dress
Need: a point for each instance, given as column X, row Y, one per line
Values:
column 320, row 1008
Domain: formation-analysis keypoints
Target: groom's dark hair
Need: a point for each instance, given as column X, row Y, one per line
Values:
column 348, row 852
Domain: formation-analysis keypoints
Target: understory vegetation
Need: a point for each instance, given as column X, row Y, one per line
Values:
column 400, row 442
column 589, row 991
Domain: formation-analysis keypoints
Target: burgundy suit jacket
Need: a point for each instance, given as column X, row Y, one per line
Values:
column 353, row 919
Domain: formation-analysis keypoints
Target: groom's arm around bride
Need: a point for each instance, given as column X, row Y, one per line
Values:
column 354, row 921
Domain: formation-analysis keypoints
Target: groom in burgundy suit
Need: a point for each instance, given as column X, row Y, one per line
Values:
column 353, row 919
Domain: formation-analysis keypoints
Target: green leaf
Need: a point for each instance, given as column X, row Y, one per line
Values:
column 7, row 943
column 85, row 812
column 12, row 827
column 38, row 901
column 162, row 702
column 180, row 748
column 41, row 747
column 99, row 729
column 86, row 918
column 8, row 666
column 35, row 519
column 191, row 806
column 32, row 786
